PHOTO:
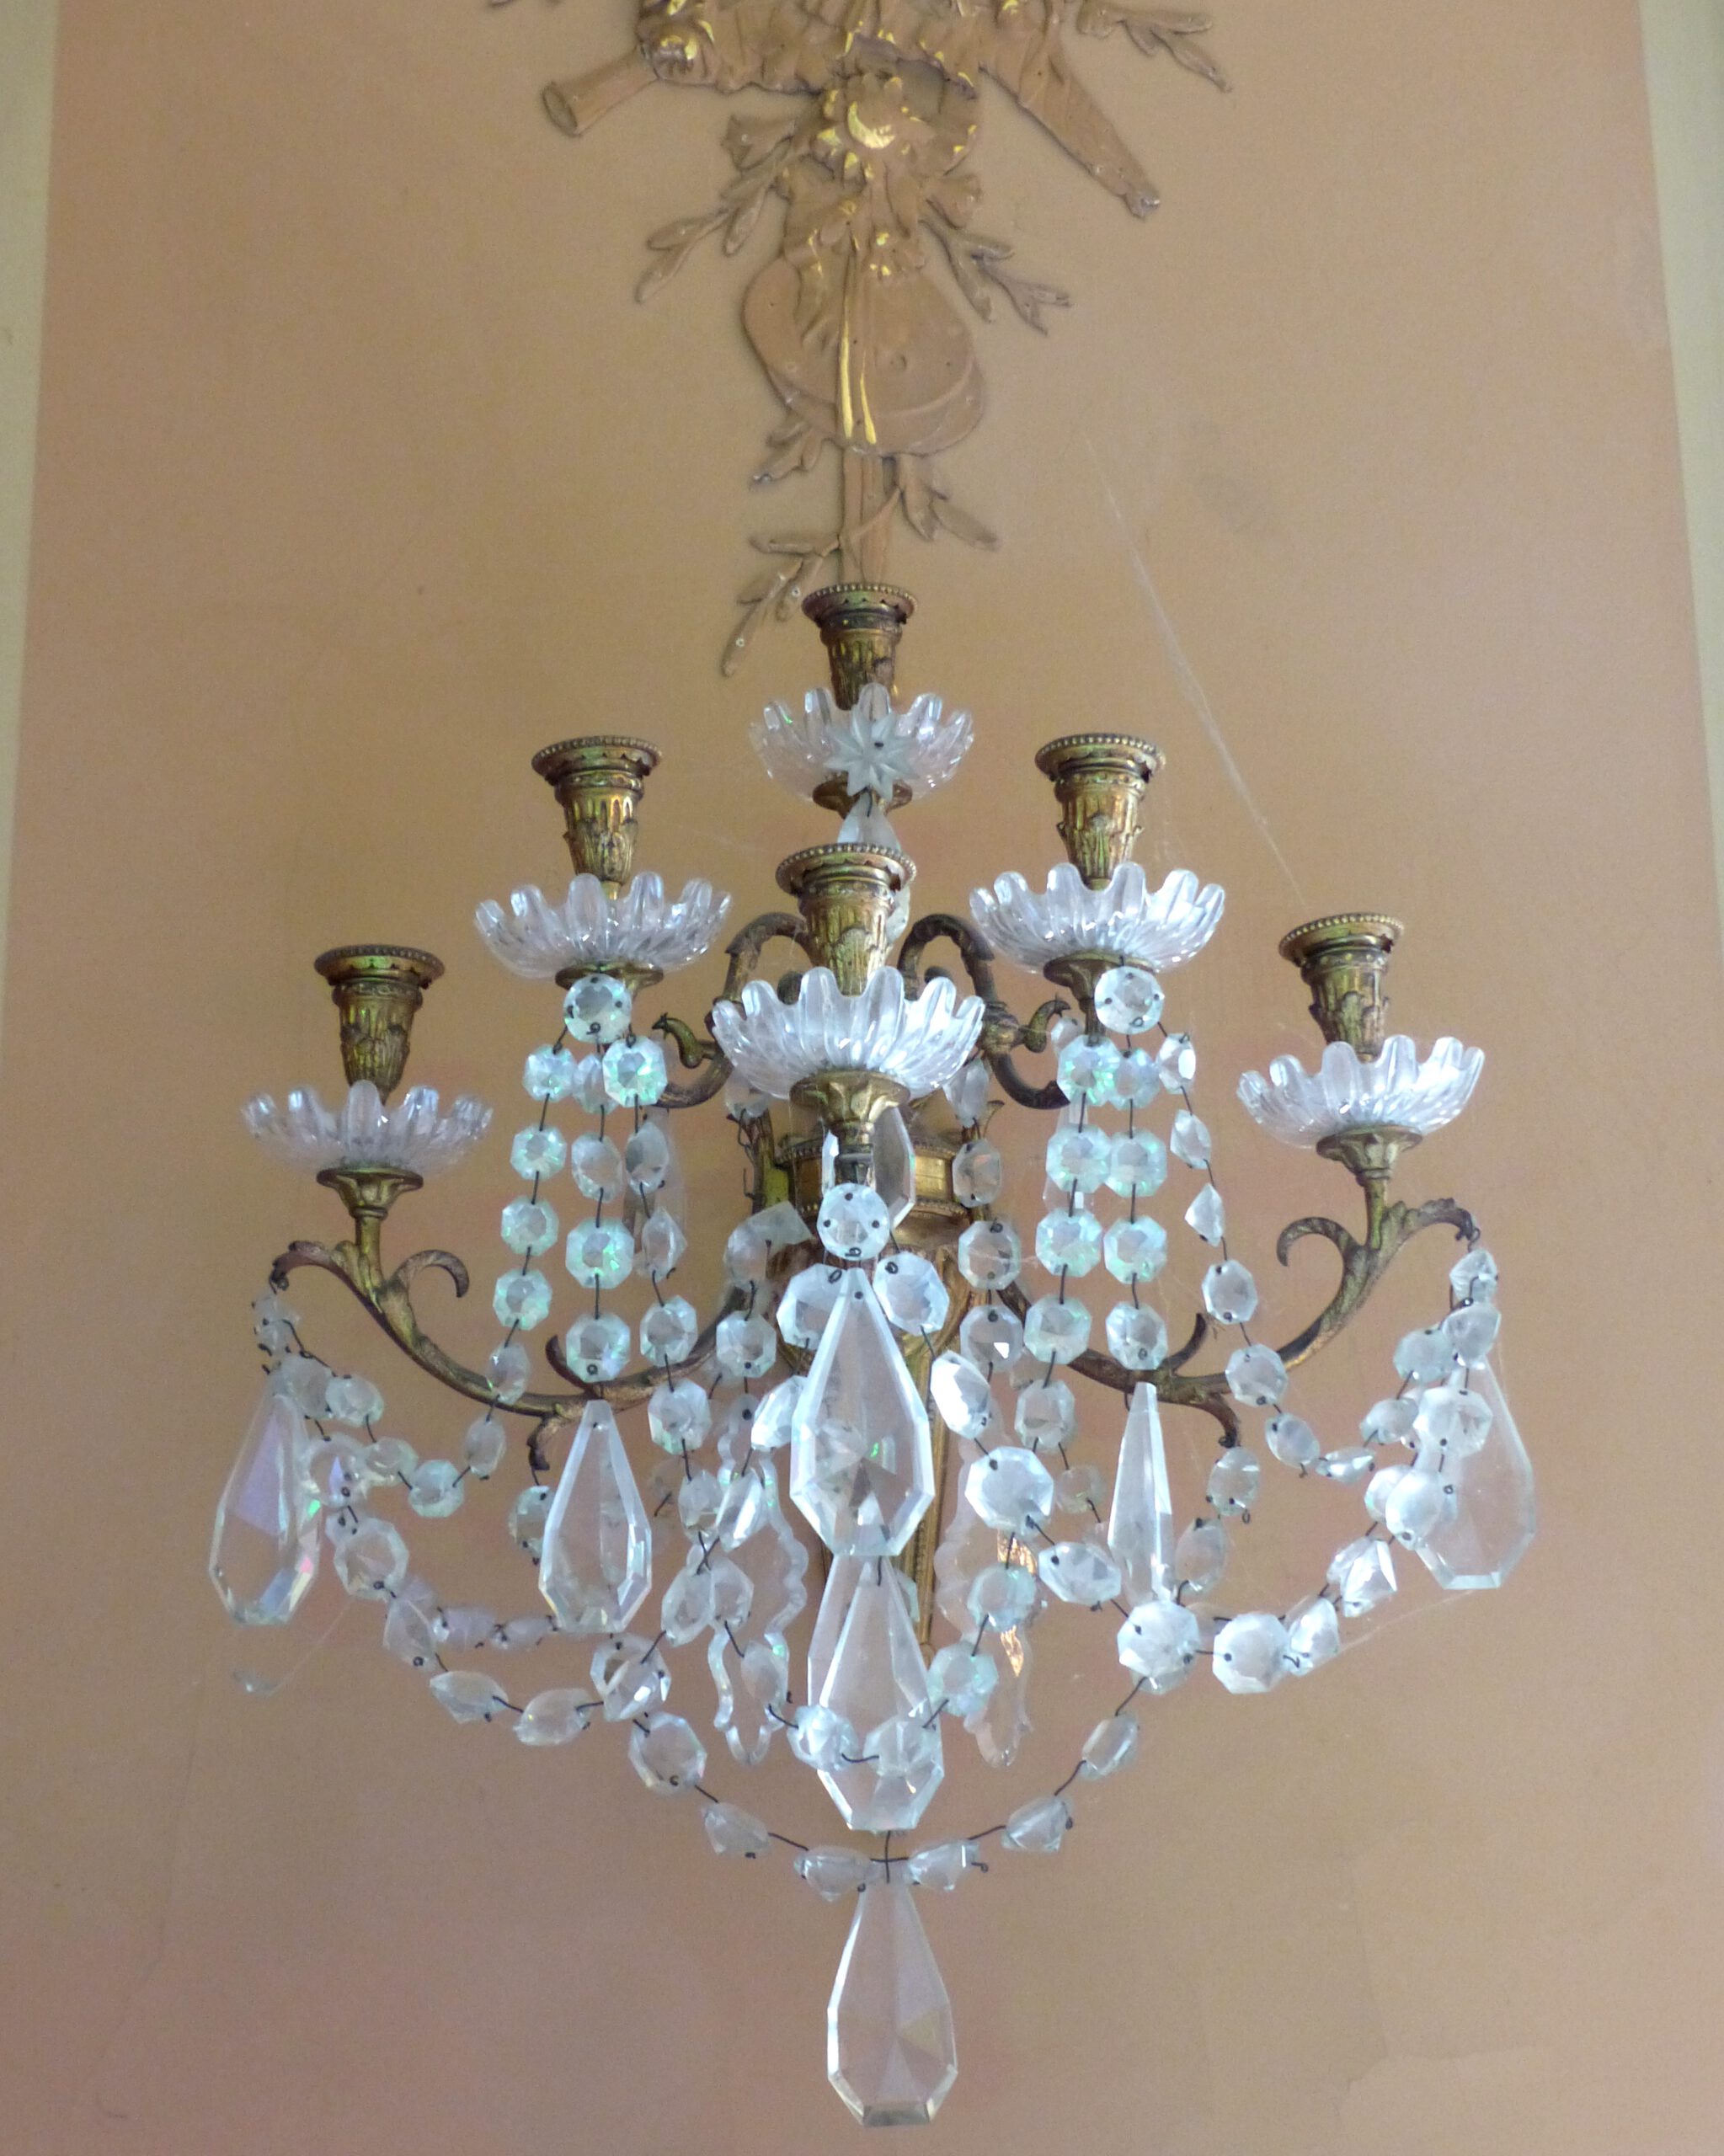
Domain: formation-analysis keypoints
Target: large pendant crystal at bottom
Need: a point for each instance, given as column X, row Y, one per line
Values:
column 1141, row 1524
column 263, row 1554
column 877, row 1681
column 1496, row 1510
column 862, row 1459
column 597, row 1560
column 891, row 2049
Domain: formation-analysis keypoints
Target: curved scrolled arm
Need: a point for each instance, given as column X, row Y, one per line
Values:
column 700, row 1053
column 1001, row 1033
column 1390, row 1226
column 387, row 1296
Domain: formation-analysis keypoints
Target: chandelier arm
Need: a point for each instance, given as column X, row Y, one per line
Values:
column 634, row 1390
column 745, row 949
column 1047, row 1098
column 390, row 1304
column 978, row 957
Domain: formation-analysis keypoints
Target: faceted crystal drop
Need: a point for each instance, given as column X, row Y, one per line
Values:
column 1038, row 1827
column 1111, row 1745
column 1189, row 1140
column 877, row 1674
column 891, row 2053
column 808, row 1303
column 1313, row 1635
column 1496, row 1510
column 1291, row 1440
column 597, row 1560
column 1200, row 1555
column 1362, row 1574
column 1140, row 1525
column 893, row 1165
column 960, row 1395
column 1080, row 1573
column 978, row 1173
column 263, row 1556
column 862, row 1461
column 667, row 1755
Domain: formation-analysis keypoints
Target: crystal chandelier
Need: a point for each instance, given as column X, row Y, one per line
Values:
column 894, row 1364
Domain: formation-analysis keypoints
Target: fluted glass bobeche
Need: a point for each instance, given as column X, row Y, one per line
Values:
column 982, row 1416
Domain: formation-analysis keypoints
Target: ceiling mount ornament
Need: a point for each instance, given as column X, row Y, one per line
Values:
column 856, row 331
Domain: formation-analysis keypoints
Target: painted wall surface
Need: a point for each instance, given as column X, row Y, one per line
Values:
column 1351, row 479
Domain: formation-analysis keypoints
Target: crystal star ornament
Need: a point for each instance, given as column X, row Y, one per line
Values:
column 872, row 748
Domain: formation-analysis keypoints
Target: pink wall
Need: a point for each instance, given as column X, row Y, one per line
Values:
column 361, row 476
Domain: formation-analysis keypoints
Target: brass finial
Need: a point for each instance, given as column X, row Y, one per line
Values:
column 860, row 625
column 598, row 780
column 846, row 895
column 1343, row 958
column 1099, row 781
column 377, row 988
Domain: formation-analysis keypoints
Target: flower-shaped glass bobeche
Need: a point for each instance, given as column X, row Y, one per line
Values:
column 1347, row 1091
column 881, row 1308
column 919, row 1042
column 880, row 757
column 539, row 938
column 360, row 1132
column 1125, row 918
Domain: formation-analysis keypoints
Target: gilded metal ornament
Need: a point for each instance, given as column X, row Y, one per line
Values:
column 377, row 988
column 867, row 353
column 1343, row 959
column 598, row 782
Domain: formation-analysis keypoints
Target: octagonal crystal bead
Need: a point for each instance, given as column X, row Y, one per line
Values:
column 596, row 1349
column 1136, row 1081
column 911, row 1292
column 1010, row 1489
column 1136, row 1336
column 1200, row 1555
column 600, row 1254
column 962, row 1395
column 854, row 1223
column 1230, row 1292
column 1233, row 1481
column 1362, row 1574
column 1250, row 1652
column 1080, row 1573
column 1068, row 1243
column 1128, row 1000
column 1159, row 1642
column 1257, row 1376
column 522, row 1298
column 1087, row 1069
column 548, row 1074
column 1135, row 1250
column 529, row 1227
column 1291, row 1440
column 537, row 1152
column 992, row 1335
column 1137, row 1164
column 667, row 1755
column 669, row 1331
column 1313, row 1635
column 596, row 1008
column 1046, row 1414
column 1078, row 1158
column 807, row 1304
column 1189, row 1139
column 978, row 1173
column 1056, row 1331
column 989, row 1255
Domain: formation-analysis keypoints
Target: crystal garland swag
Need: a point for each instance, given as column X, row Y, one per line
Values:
column 880, row 1308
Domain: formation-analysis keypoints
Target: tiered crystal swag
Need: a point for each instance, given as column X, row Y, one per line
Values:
column 895, row 1364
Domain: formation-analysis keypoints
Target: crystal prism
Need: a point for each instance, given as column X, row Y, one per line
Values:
column 1495, row 1512
column 893, row 1163
column 891, row 2050
column 263, row 1556
column 877, row 1674
column 862, row 1462
column 1141, row 1524
column 597, row 1554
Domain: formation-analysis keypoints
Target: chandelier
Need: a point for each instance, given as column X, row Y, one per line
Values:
column 893, row 1373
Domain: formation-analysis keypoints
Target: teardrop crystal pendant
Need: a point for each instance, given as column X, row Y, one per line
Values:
column 861, row 1459
column 1140, row 1525
column 877, row 1683
column 597, row 1560
column 891, row 2049
column 1496, row 1509
column 263, row 1556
